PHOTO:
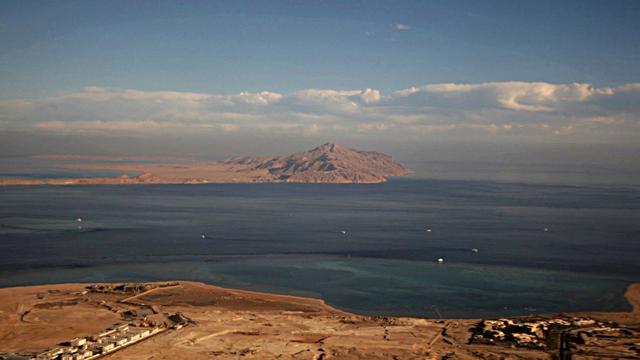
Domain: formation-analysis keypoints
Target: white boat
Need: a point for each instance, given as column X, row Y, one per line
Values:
column 440, row 260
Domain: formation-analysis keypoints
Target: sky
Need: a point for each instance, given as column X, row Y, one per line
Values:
column 414, row 77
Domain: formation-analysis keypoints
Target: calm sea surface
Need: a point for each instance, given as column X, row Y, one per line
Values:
column 287, row 238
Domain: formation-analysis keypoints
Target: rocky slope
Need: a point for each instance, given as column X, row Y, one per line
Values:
column 328, row 163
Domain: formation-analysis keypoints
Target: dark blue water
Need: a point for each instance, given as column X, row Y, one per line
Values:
column 287, row 238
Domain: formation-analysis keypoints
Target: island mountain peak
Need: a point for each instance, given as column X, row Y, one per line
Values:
column 329, row 147
column 329, row 163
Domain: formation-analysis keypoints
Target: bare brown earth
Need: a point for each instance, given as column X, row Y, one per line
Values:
column 329, row 163
column 110, row 157
column 28, row 323
column 232, row 324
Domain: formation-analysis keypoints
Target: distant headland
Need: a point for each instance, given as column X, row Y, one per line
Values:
column 328, row 163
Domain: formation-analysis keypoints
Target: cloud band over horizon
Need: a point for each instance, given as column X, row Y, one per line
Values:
column 530, row 110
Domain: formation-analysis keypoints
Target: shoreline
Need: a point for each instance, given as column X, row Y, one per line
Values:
column 229, row 323
column 614, row 286
column 136, row 180
column 631, row 296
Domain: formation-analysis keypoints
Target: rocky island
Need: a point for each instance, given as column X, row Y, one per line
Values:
column 328, row 163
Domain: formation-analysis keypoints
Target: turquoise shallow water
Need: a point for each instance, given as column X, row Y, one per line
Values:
column 380, row 287
column 286, row 238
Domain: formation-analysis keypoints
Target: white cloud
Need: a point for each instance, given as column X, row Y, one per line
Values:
column 523, row 96
column 323, row 101
column 403, row 27
column 370, row 96
column 262, row 98
column 495, row 108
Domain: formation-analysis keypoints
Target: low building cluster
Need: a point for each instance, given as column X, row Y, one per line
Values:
column 108, row 341
column 101, row 344
column 142, row 321
column 531, row 332
column 131, row 289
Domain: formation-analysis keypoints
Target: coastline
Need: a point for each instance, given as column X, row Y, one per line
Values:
column 228, row 322
column 142, row 180
column 631, row 295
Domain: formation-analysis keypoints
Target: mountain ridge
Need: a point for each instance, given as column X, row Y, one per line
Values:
column 328, row 162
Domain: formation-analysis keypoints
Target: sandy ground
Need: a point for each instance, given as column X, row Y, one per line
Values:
column 188, row 173
column 28, row 323
column 234, row 324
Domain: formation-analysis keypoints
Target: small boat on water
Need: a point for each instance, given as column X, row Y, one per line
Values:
column 79, row 219
column 203, row 236
column 440, row 260
column 428, row 230
column 343, row 232
column 474, row 250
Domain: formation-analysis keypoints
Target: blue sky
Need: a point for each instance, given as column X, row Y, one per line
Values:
column 373, row 73
column 227, row 47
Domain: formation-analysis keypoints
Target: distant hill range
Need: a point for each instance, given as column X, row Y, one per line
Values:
column 328, row 163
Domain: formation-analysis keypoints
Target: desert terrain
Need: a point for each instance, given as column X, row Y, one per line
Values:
column 328, row 163
column 230, row 324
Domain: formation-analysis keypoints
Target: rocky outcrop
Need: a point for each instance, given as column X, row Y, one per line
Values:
column 328, row 163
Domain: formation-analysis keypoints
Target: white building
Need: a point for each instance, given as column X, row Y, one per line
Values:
column 77, row 342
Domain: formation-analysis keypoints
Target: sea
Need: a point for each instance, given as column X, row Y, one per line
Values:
column 509, row 246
